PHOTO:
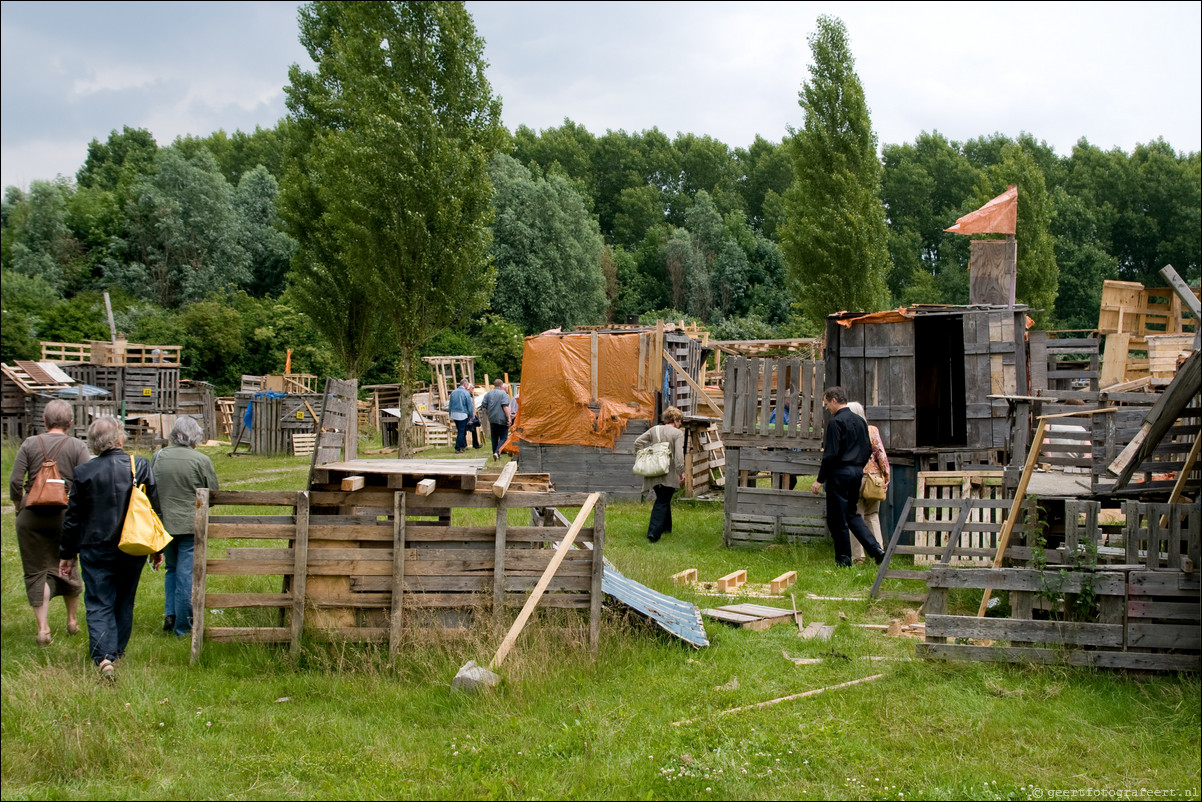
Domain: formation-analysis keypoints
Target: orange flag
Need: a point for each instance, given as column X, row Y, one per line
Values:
column 288, row 362
column 999, row 216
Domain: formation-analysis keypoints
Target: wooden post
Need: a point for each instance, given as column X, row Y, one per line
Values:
column 595, row 593
column 300, row 569
column 498, row 563
column 592, row 353
column 396, row 618
column 199, row 570
column 108, row 307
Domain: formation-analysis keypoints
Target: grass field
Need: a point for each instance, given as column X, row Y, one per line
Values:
column 346, row 721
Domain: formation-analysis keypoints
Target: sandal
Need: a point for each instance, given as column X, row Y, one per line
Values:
column 108, row 670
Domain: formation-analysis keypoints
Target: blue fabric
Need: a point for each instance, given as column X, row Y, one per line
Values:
column 178, row 582
column 248, row 420
column 110, row 581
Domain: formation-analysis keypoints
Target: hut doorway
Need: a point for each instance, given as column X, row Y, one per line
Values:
column 939, row 381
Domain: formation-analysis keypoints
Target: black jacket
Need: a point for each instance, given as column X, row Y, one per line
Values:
column 846, row 444
column 96, row 509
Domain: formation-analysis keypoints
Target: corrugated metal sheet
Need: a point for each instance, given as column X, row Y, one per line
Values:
column 682, row 619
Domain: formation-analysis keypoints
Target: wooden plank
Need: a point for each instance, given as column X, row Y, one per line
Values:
column 397, row 607
column 353, row 483
column 200, row 549
column 499, row 539
column 598, row 565
column 1176, row 611
column 537, row 593
column 1141, row 661
column 249, row 634
column 738, row 619
column 1027, row 579
column 301, row 559
column 426, row 486
column 1013, row 629
column 501, row 486
column 1144, row 635
column 224, row 601
column 763, row 611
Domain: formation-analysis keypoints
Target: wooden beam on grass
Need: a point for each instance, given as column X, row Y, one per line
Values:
column 786, row 698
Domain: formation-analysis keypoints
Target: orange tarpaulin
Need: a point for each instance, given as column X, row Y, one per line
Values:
column 999, row 216
column 557, row 385
column 888, row 316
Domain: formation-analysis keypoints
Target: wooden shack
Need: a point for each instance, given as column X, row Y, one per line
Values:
column 587, row 396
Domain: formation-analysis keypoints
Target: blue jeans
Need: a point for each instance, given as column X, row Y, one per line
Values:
column 178, row 582
column 500, row 433
column 110, row 581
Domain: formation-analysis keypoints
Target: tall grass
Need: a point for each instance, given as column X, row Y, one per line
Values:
column 349, row 721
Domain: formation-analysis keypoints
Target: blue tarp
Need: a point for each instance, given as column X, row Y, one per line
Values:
column 248, row 420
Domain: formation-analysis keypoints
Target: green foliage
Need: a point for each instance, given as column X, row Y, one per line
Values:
column 268, row 249
column 239, row 153
column 499, row 344
column 114, row 165
column 547, row 250
column 835, row 237
column 386, row 190
column 184, row 237
column 17, row 339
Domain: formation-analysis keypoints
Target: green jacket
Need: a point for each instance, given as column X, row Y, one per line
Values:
column 178, row 472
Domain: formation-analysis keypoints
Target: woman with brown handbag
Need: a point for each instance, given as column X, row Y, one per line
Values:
column 41, row 504
column 878, row 468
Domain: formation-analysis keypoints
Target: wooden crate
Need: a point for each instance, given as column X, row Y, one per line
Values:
column 1163, row 350
column 773, row 403
column 981, row 527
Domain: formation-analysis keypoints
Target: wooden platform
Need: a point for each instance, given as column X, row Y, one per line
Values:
column 397, row 474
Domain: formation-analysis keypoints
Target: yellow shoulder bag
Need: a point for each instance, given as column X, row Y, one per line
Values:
column 142, row 533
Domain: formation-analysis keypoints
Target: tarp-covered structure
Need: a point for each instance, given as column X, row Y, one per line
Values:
column 573, row 395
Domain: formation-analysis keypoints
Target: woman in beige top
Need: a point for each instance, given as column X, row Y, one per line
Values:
column 664, row 486
column 878, row 465
column 39, row 529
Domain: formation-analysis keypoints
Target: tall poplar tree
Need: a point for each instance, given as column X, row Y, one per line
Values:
column 387, row 191
column 834, row 236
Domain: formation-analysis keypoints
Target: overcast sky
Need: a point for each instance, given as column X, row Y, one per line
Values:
column 1115, row 73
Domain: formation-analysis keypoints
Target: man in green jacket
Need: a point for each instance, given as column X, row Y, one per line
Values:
column 179, row 469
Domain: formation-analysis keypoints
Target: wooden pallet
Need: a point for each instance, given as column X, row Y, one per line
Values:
column 749, row 616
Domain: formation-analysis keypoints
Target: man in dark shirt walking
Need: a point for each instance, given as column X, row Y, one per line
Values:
column 845, row 452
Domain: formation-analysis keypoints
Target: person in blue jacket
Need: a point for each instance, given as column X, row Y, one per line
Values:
column 462, row 409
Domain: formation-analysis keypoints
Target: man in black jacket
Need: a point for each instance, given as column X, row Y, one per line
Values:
column 845, row 452
column 92, row 529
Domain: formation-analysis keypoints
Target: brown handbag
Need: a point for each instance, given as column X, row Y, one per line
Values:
column 49, row 489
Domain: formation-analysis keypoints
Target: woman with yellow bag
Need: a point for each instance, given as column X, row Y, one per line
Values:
column 92, row 529
column 876, row 472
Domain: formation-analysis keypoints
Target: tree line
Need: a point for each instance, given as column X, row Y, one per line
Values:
column 390, row 215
